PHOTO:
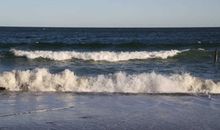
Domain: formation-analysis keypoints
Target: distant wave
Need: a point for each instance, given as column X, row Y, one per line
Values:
column 96, row 56
column 120, row 82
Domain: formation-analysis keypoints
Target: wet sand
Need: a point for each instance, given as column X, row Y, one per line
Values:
column 107, row 112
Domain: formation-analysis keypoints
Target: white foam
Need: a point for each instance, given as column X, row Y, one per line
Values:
column 201, row 49
column 67, row 81
column 96, row 56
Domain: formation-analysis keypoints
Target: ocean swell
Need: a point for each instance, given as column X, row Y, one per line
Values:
column 96, row 56
column 42, row 80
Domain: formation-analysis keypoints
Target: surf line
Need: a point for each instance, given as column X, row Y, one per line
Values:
column 36, row 111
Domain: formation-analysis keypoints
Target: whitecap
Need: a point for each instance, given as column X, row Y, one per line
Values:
column 40, row 79
column 97, row 56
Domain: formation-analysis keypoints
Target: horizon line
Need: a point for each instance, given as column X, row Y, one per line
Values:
column 108, row 27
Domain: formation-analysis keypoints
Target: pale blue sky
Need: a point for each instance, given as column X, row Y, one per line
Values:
column 110, row 13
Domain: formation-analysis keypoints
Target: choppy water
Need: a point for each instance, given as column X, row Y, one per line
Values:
column 99, row 60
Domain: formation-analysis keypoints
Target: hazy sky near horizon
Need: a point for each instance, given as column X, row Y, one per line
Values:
column 110, row 13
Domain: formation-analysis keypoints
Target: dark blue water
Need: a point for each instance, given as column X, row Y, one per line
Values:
column 197, row 60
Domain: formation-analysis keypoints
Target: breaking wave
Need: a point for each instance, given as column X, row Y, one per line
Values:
column 96, row 56
column 42, row 80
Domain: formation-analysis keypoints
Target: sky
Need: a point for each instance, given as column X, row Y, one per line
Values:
column 110, row 13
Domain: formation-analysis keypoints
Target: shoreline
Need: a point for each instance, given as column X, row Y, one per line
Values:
column 75, row 111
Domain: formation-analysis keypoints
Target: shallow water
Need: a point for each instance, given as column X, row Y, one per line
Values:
column 108, row 111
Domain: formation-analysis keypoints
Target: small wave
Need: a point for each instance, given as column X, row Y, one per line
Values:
column 201, row 49
column 96, row 56
column 42, row 80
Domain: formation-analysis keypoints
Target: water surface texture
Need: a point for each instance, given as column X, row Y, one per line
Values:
column 109, row 78
column 110, row 60
column 103, row 112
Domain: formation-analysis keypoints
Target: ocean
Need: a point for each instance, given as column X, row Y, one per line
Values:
column 109, row 78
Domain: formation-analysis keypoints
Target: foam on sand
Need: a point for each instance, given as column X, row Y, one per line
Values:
column 96, row 56
column 41, row 79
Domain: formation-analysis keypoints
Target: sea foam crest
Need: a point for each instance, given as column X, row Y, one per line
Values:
column 41, row 79
column 96, row 56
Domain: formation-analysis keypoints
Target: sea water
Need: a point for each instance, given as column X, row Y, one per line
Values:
column 110, row 60
column 109, row 78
